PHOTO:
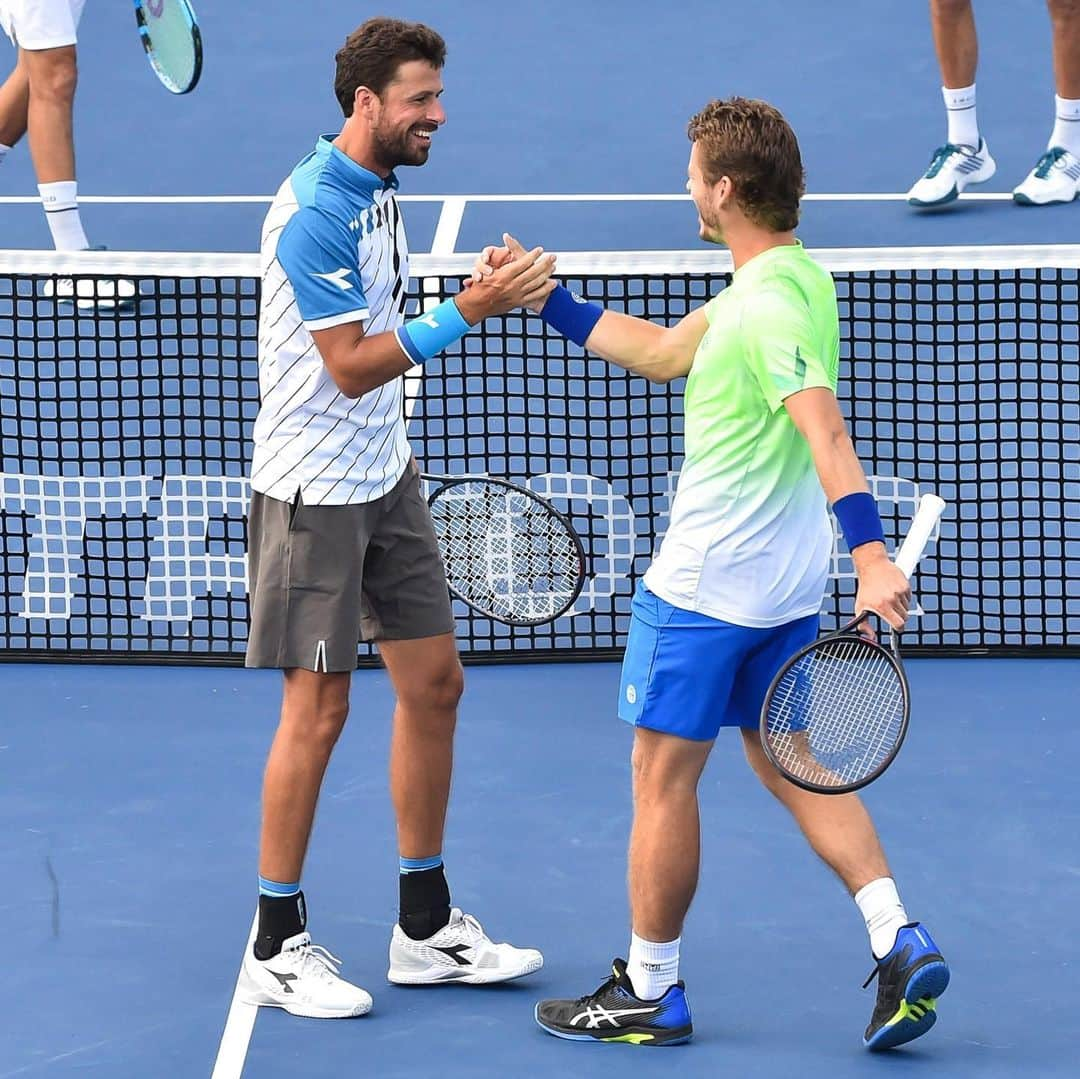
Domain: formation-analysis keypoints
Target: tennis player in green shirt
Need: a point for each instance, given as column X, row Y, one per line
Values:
column 740, row 577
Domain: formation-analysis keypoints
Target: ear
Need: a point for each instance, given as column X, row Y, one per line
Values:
column 723, row 192
column 364, row 100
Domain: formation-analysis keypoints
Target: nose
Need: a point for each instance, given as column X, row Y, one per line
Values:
column 437, row 114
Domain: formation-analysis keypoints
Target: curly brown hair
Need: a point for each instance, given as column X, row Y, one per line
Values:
column 373, row 52
column 752, row 143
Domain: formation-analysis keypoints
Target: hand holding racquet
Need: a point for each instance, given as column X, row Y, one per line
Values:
column 836, row 714
column 509, row 554
column 170, row 35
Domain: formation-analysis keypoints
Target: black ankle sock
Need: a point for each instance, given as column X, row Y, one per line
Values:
column 280, row 917
column 425, row 902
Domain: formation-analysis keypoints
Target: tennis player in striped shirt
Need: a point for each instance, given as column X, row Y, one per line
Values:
column 341, row 545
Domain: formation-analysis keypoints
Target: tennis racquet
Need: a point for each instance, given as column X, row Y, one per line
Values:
column 837, row 713
column 170, row 35
column 510, row 555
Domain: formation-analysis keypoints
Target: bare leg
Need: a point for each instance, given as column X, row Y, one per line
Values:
column 1065, row 20
column 665, row 841
column 52, row 75
column 428, row 681
column 313, row 712
column 14, row 102
column 837, row 826
column 953, row 23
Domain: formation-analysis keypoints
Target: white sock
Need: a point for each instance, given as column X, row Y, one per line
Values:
column 960, row 109
column 1066, row 132
column 61, row 204
column 652, row 967
column 4, row 151
column 883, row 913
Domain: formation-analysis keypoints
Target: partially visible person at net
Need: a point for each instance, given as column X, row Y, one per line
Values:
column 965, row 158
column 340, row 538
column 37, row 98
column 740, row 576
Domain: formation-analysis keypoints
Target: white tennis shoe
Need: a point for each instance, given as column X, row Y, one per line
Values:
column 952, row 168
column 304, row 980
column 459, row 952
column 1055, row 178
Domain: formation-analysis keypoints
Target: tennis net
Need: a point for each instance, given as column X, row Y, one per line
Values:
column 126, row 426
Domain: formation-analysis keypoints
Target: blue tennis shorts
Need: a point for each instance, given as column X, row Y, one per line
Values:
column 687, row 674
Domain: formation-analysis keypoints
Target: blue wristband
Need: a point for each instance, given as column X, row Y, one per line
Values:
column 572, row 316
column 431, row 333
column 858, row 517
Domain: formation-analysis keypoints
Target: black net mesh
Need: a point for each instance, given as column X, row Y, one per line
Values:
column 126, row 437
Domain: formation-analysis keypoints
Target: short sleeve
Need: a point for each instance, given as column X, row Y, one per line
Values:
column 320, row 257
column 782, row 350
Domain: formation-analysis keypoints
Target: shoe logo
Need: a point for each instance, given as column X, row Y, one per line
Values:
column 284, row 979
column 454, row 952
column 594, row 1015
column 337, row 277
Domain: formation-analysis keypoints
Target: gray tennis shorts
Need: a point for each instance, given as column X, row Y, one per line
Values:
column 322, row 578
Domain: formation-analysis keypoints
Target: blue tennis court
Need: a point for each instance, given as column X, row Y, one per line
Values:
column 130, row 790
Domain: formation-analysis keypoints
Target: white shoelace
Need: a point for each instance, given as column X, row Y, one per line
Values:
column 315, row 960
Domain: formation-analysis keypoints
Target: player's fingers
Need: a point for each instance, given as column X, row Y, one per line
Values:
column 514, row 247
column 540, row 270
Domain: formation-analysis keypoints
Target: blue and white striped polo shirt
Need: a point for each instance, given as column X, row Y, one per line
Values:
column 333, row 251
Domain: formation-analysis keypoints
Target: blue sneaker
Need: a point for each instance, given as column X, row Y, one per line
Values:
column 910, row 979
column 614, row 1013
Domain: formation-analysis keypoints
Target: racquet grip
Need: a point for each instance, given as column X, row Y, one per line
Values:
column 926, row 517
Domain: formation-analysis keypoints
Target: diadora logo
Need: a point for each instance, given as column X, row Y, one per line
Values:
column 337, row 277
column 429, row 320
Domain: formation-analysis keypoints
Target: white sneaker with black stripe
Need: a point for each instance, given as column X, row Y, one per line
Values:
column 461, row 952
column 1055, row 178
column 952, row 168
column 304, row 980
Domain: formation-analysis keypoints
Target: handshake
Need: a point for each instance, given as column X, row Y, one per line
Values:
column 505, row 278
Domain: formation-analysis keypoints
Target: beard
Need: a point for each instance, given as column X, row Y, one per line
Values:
column 395, row 148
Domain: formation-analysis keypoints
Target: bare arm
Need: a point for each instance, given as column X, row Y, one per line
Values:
column 358, row 363
column 815, row 412
column 658, row 353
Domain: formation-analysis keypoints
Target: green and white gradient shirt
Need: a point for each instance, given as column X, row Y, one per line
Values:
column 749, row 538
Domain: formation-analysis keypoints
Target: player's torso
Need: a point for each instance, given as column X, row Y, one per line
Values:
column 335, row 448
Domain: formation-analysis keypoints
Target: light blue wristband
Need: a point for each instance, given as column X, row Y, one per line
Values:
column 432, row 332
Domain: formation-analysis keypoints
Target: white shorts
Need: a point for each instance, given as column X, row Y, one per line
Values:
column 40, row 24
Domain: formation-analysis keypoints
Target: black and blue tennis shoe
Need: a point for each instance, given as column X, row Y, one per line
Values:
column 910, row 979
column 614, row 1013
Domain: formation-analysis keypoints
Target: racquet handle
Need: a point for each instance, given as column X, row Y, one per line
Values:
column 926, row 517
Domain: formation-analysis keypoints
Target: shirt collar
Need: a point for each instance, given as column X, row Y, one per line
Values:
column 355, row 175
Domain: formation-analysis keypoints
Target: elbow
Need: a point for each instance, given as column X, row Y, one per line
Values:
column 352, row 388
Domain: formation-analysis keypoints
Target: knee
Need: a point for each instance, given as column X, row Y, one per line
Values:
column 950, row 9
column 656, row 781
column 437, row 693
column 55, row 79
column 1063, row 12
column 314, row 718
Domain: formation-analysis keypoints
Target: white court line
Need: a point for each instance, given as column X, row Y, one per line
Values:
column 236, row 1037
column 446, row 232
column 169, row 200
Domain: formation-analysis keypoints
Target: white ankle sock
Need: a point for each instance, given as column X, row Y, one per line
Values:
column 61, row 203
column 652, row 967
column 1066, row 132
column 884, row 914
column 960, row 109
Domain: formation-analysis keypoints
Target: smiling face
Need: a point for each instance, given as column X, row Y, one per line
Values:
column 405, row 116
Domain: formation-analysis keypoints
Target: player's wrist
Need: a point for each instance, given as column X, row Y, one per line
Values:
column 574, row 317
column 860, row 521
column 868, row 554
column 432, row 331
